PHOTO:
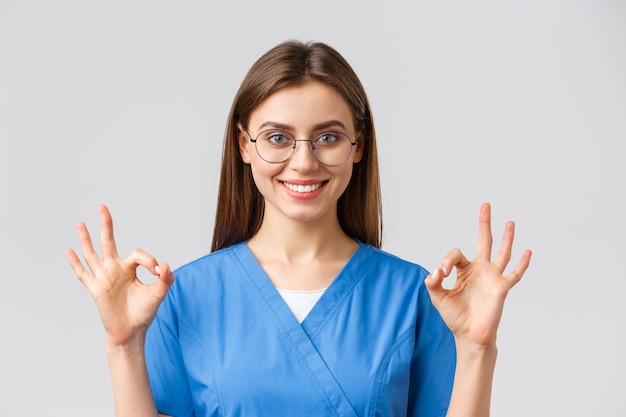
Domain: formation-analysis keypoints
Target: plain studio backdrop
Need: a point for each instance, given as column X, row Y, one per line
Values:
column 519, row 103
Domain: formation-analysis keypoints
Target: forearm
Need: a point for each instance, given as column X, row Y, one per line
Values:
column 129, row 376
column 471, row 392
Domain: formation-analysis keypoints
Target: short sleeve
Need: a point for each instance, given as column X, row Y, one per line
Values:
column 164, row 360
column 433, row 363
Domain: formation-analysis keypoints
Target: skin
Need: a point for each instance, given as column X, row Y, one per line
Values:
column 472, row 310
column 126, row 307
column 312, row 244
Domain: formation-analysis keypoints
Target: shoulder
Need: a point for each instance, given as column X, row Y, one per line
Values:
column 378, row 267
column 220, row 258
column 209, row 270
column 209, row 283
column 384, row 259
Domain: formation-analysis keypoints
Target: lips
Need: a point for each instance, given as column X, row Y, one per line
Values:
column 303, row 188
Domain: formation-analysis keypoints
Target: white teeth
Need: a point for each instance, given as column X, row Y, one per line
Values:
column 302, row 188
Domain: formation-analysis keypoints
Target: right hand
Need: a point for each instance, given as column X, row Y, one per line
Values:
column 472, row 309
column 125, row 304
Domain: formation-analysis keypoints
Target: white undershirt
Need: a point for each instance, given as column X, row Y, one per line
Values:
column 301, row 302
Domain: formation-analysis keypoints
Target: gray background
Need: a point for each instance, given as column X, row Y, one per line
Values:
column 520, row 103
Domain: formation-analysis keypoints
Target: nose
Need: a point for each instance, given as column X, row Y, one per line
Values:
column 303, row 158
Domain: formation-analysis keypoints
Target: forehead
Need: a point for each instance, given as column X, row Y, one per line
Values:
column 303, row 106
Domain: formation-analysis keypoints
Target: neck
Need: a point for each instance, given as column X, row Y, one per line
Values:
column 293, row 241
column 300, row 255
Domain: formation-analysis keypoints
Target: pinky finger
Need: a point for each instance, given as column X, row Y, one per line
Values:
column 517, row 274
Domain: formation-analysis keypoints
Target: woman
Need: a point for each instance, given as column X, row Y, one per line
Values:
column 297, row 311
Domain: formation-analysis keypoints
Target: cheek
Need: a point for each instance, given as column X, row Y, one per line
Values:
column 344, row 174
column 263, row 172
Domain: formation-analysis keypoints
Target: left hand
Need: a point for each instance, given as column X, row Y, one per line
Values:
column 473, row 307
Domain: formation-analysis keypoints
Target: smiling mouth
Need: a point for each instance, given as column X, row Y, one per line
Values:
column 299, row 188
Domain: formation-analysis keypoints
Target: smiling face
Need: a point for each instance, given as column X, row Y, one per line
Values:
column 301, row 188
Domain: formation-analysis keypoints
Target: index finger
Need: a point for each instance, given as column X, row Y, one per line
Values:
column 485, row 239
column 107, row 240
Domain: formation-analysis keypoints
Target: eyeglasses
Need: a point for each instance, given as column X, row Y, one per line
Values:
column 276, row 146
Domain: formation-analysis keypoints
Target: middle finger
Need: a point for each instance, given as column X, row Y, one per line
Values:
column 107, row 240
column 485, row 239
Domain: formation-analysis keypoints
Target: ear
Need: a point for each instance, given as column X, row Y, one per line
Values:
column 244, row 142
column 358, row 153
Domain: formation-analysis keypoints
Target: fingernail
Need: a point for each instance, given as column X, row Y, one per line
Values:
column 157, row 269
column 445, row 272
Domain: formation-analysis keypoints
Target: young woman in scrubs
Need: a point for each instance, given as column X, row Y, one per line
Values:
column 297, row 311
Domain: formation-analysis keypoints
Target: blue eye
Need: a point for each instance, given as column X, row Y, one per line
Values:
column 327, row 138
column 277, row 138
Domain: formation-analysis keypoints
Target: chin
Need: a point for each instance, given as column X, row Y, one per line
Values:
column 304, row 215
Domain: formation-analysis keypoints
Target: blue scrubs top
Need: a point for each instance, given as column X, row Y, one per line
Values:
column 224, row 343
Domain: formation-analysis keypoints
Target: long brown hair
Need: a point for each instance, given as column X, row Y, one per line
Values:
column 240, row 206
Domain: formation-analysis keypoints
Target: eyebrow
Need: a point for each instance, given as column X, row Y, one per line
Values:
column 319, row 126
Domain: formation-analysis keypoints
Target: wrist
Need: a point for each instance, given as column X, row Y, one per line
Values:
column 467, row 349
column 473, row 378
column 130, row 346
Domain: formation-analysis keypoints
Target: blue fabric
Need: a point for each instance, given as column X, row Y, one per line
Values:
column 224, row 343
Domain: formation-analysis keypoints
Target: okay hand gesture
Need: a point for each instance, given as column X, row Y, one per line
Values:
column 473, row 307
column 125, row 304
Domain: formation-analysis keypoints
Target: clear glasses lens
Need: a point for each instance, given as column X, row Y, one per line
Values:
column 330, row 148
